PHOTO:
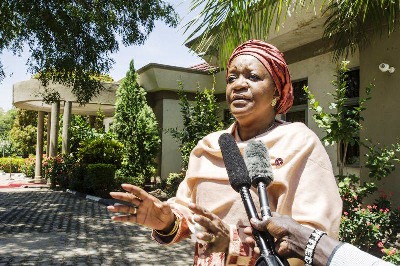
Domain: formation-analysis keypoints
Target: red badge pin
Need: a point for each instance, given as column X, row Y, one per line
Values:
column 278, row 161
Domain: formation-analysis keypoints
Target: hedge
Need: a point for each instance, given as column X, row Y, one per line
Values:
column 100, row 179
column 15, row 162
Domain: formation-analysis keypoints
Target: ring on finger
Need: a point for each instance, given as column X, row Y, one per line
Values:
column 212, row 239
column 134, row 211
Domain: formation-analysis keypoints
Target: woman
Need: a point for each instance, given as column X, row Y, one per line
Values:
column 258, row 88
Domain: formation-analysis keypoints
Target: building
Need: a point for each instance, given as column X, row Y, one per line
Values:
column 310, row 63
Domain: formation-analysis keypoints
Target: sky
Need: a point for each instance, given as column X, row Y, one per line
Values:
column 164, row 46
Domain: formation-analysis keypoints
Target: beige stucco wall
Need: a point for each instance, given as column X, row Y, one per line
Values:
column 171, row 158
column 382, row 119
column 157, row 77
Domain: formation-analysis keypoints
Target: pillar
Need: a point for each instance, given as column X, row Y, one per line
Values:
column 55, row 113
column 39, row 147
column 66, row 125
column 48, row 134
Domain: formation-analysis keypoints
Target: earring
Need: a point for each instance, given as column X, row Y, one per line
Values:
column 273, row 103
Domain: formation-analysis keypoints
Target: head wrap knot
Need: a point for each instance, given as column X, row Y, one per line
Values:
column 273, row 61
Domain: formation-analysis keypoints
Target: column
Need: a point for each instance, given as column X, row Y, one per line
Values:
column 48, row 134
column 66, row 125
column 39, row 147
column 55, row 113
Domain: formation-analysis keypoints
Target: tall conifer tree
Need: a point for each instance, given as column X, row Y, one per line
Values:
column 136, row 127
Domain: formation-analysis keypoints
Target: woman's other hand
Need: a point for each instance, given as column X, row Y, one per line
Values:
column 149, row 210
column 216, row 231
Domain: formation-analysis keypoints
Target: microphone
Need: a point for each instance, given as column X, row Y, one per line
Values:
column 257, row 160
column 240, row 182
column 258, row 164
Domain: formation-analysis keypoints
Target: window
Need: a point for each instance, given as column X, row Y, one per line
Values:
column 353, row 92
column 298, row 112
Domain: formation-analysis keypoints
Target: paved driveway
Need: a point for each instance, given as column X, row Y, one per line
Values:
column 45, row 227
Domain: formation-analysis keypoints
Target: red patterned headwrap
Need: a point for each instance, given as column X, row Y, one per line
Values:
column 273, row 61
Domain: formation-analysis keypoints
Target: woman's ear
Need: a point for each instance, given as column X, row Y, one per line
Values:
column 276, row 93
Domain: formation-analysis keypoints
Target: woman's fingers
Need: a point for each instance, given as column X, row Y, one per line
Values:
column 207, row 237
column 127, row 197
column 138, row 192
column 123, row 209
column 130, row 218
column 205, row 218
column 206, row 223
column 201, row 211
column 252, row 243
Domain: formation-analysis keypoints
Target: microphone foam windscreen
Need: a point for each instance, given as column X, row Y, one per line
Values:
column 234, row 163
column 258, row 163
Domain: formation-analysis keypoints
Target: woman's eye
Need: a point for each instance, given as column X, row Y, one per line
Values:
column 230, row 79
column 254, row 77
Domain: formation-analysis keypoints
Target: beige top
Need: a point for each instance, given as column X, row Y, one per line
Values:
column 304, row 186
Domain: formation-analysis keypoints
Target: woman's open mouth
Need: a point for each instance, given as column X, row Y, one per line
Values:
column 239, row 99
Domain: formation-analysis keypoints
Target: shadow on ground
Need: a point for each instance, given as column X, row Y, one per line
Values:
column 44, row 227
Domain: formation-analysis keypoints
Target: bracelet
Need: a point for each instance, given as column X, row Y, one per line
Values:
column 310, row 247
column 173, row 231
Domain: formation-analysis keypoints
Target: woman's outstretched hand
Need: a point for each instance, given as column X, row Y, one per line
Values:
column 148, row 211
column 216, row 232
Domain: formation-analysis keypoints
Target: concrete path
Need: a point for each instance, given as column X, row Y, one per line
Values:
column 39, row 226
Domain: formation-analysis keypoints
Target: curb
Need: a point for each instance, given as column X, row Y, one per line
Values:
column 107, row 202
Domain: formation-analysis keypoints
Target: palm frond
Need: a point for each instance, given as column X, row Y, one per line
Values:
column 223, row 24
column 351, row 23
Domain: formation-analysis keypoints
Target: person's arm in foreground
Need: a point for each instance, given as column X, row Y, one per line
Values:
column 291, row 240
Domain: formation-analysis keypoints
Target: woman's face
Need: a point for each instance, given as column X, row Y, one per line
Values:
column 250, row 89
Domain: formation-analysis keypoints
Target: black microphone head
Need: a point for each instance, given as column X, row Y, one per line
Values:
column 258, row 163
column 234, row 162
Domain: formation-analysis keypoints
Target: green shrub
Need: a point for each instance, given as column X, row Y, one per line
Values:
column 58, row 170
column 28, row 167
column 122, row 176
column 76, row 179
column 173, row 181
column 101, row 149
column 23, row 132
column 100, row 179
column 372, row 227
column 80, row 131
column 13, row 164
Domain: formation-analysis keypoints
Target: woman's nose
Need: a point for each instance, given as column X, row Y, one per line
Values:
column 241, row 83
